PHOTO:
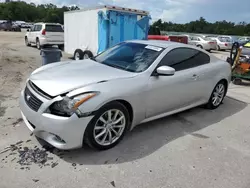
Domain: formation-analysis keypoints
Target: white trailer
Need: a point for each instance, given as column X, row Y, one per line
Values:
column 90, row 31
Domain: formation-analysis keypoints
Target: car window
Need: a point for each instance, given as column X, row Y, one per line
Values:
column 133, row 57
column 38, row 27
column 33, row 28
column 184, row 58
column 53, row 28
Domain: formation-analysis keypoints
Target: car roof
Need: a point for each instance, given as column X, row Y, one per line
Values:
column 160, row 43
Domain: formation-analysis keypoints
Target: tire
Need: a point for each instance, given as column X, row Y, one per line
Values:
column 221, row 95
column 87, row 54
column 27, row 41
column 199, row 46
column 237, row 81
column 218, row 48
column 38, row 45
column 92, row 132
column 209, row 51
column 78, row 55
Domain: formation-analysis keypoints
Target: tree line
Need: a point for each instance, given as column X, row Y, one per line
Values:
column 33, row 13
column 30, row 12
column 203, row 26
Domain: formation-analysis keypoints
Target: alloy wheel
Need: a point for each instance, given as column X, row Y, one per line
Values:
column 218, row 94
column 109, row 127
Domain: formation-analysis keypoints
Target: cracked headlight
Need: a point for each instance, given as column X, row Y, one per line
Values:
column 69, row 106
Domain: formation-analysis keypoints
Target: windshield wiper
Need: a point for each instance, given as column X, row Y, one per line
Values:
column 115, row 66
column 93, row 58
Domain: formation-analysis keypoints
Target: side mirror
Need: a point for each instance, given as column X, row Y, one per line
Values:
column 28, row 30
column 165, row 71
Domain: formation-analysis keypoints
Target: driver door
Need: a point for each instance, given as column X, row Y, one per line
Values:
column 169, row 93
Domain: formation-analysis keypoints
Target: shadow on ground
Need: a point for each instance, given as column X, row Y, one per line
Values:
column 147, row 138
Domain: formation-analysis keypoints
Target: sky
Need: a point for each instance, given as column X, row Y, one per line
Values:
column 179, row 11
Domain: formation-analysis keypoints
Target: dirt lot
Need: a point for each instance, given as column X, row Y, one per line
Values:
column 194, row 149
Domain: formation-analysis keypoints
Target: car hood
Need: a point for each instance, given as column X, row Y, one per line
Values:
column 58, row 78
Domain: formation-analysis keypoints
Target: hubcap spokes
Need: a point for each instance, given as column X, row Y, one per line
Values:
column 109, row 127
column 218, row 94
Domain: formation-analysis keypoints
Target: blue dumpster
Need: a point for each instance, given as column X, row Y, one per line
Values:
column 50, row 55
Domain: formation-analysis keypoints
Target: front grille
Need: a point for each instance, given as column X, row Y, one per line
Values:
column 39, row 91
column 32, row 101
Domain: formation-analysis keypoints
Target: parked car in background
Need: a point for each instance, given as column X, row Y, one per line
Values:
column 96, row 100
column 9, row 26
column 243, row 39
column 223, row 43
column 201, row 42
column 42, row 34
column 230, row 38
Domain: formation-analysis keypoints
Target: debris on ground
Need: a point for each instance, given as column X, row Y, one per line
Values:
column 17, row 122
column 35, row 180
column 29, row 156
column 112, row 183
column 26, row 156
column 54, row 165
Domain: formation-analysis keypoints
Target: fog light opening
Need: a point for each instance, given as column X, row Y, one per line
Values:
column 59, row 139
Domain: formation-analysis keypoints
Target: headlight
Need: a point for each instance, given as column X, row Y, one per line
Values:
column 69, row 106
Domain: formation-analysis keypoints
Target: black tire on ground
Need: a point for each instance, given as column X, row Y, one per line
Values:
column 89, row 132
column 199, row 46
column 78, row 55
column 237, row 81
column 87, row 54
column 209, row 51
column 38, row 45
column 210, row 104
column 218, row 48
column 27, row 42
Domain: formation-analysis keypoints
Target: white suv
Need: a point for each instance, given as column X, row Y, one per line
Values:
column 43, row 34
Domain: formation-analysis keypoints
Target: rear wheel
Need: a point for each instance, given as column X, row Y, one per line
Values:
column 87, row 54
column 218, row 48
column 38, row 46
column 199, row 46
column 108, row 127
column 217, row 95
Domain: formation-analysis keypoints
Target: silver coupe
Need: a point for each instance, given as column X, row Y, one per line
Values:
column 96, row 101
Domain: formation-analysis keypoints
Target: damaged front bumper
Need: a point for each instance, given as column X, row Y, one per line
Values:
column 61, row 132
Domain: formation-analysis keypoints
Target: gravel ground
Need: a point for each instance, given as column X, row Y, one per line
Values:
column 194, row 149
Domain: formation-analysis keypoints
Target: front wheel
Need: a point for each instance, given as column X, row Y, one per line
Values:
column 108, row 127
column 27, row 42
column 217, row 95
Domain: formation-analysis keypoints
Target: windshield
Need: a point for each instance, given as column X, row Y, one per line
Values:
column 132, row 57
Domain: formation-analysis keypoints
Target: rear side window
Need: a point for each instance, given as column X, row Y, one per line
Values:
column 53, row 28
column 38, row 27
column 185, row 58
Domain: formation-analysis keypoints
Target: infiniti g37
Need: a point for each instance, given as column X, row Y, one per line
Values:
column 96, row 101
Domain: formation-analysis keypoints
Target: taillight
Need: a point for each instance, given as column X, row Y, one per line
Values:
column 211, row 43
column 43, row 32
column 225, row 44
